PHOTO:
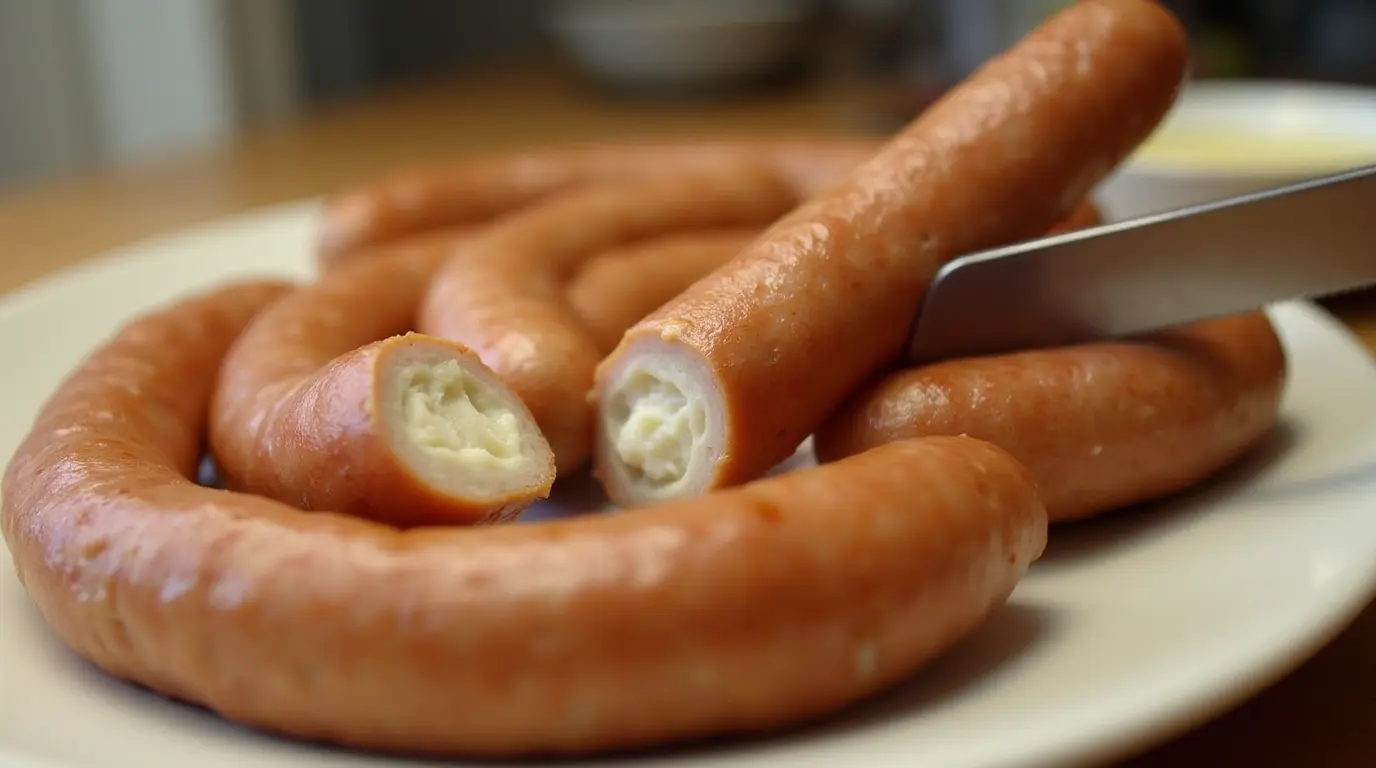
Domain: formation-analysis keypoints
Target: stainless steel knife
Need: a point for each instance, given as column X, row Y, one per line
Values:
column 1304, row 240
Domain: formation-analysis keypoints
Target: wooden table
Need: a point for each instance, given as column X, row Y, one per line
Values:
column 1323, row 716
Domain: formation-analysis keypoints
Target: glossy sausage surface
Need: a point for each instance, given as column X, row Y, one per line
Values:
column 741, row 367
column 760, row 606
column 503, row 294
column 614, row 291
column 311, row 409
column 575, row 636
column 1101, row 426
column 480, row 189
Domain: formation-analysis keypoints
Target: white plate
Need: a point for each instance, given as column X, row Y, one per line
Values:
column 1130, row 628
column 1290, row 113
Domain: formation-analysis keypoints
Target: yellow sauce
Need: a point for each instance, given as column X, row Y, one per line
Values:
column 1223, row 149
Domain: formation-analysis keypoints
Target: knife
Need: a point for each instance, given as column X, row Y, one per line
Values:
column 1304, row 240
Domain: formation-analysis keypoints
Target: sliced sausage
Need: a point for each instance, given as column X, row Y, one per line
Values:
column 606, row 632
column 504, row 293
column 478, row 190
column 615, row 290
column 723, row 382
column 324, row 404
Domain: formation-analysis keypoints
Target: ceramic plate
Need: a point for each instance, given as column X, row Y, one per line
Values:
column 1280, row 131
column 1130, row 628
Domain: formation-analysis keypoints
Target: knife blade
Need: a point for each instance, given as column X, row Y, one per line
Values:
column 1304, row 240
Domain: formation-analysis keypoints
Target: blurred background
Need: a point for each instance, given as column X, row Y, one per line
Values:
column 88, row 83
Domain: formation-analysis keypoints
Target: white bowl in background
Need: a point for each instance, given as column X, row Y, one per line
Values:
column 682, row 43
column 1226, row 138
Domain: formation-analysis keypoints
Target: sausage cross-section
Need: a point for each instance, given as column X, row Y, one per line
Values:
column 323, row 403
column 1102, row 426
column 504, row 293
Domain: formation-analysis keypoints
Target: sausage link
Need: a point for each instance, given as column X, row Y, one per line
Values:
column 504, row 294
column 615, row 290
column 723, row 382
column 1103, row 425
column 601, row 633
column 323, row 404
column 480, row 189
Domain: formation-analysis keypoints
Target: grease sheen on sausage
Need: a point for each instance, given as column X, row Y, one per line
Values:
column 323, row 404
column 724, row 381
column 591, row 634
column 612, row 292
column 504, row 293
column 1102, row 425
column 480, row 189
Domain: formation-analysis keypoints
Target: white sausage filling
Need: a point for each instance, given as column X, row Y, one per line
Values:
column 655, row 428
column 454, row 417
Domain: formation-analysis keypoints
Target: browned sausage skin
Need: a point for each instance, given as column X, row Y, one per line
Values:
column 504, row 293
column 481, row 189
column 601, row 633
column 1103, row 425
column 724, row 381
column 615, row 631
column 323, row 404
column 615, row 290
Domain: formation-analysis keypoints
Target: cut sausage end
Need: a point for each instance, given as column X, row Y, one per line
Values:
column 458, row 428
column 453, row 418
column 661, row 431
column 656, row 428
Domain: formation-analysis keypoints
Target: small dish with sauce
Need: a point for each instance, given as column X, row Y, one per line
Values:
column 1226, row 138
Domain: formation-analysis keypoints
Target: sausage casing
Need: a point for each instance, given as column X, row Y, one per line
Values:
column 722, row 383
column 1102, row 425
column 322, row 403
column 504, row 293
column 599, row 633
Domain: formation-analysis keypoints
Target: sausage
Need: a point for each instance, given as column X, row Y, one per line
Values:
column 574, row 636
column 722, row 383
column 615, row 290
column 503, row 295
column 448, row 238
column 1102, row 425
column 323, row 404
column 417, row 204
column 611, row 292
column 480, row 189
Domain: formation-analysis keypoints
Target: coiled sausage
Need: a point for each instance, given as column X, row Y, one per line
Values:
column 572, row 636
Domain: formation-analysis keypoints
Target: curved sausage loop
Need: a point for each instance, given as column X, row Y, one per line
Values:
column 504, row 293
column 601, row 633
column 324, row 404
column 1102, row 426
column 614, row 291
column 478, row 190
